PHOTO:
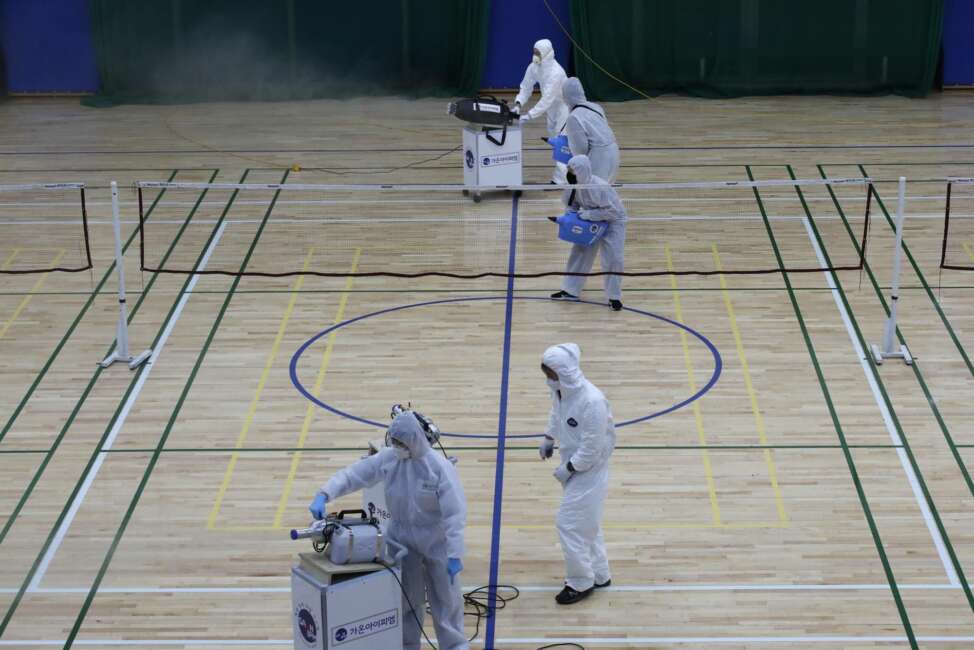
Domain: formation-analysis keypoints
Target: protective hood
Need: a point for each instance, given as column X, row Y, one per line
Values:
column 546, row 49
column 582, row 167
column 564, row 359
column 407, row 430
column 572, row 92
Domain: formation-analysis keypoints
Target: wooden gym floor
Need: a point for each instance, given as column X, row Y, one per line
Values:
column 807, row 498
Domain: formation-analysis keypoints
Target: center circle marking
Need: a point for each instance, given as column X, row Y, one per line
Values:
column 711, row 382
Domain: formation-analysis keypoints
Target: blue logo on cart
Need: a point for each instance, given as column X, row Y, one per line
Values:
column 307, row 626
column 469, row 158
column 340, row 634
column 501, row 159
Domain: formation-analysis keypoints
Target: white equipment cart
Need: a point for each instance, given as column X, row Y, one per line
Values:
column 491, row 143
column 345, row 606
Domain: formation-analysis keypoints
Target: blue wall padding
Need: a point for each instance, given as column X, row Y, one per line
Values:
column 47, row 46
column 958, row 44
column 514, row 27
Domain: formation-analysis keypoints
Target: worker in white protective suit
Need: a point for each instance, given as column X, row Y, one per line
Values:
column 546, row 72
column 588, row 131
column 429, row 513
column 594, row 204
column 581, row 423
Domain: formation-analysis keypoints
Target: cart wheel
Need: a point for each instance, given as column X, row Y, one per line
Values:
column 466, row 192
column 476, row 197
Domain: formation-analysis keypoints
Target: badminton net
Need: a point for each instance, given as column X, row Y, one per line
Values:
column 284, row 229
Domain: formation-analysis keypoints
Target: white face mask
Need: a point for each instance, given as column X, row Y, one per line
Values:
column 402, row 453
column 536, row 60
column 553, row 385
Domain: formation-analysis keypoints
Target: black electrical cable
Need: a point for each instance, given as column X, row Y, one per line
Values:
column 412, row 609
column 477, row 599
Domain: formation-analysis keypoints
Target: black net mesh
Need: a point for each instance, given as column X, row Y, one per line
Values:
column 43, row 228
column 957, row 249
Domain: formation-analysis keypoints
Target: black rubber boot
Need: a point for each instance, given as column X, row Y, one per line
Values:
column 569, row 596
column 563, row 295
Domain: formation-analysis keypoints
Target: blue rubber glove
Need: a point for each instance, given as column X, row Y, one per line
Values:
column 317, row 506
column 453, row 567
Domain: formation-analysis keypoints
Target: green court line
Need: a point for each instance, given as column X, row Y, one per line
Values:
column 101, row 443
column 25, row 451
column 228, row 450
column 860, row 491
column 157, row 452
column 64, row 339
column 889, row 404
column 91, row 383
column 899, row 335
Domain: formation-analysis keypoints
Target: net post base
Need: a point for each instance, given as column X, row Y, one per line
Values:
column 879, row 356
column 133, row 362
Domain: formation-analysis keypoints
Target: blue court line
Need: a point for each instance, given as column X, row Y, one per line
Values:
column 495, row 528
column 711, row 382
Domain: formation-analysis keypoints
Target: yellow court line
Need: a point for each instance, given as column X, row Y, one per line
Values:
column 967, row 249
column 751, row 393
column 252, row 410
column 10, row 259
column 319, row 380
column 697, row 415
column 33, row 290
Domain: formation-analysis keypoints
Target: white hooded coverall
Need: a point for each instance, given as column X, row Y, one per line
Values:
column 429, row 513
column 597, row 204
column 581, row 422
column 589, row 132
column 549, row 75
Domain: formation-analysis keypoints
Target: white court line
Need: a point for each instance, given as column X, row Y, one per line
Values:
column 262, row 202
column 894, row 436
column 525, row 589
column 237, row 643
column 459, row 219
column 679, row 640
column 609, row 641
column 380, row 188
column 79, row 498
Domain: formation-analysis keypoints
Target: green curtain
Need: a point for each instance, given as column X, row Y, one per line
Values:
column 726, row 48
column 208, row 50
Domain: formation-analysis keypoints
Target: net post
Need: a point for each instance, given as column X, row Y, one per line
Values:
column 889, row 332
column 121, row 351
